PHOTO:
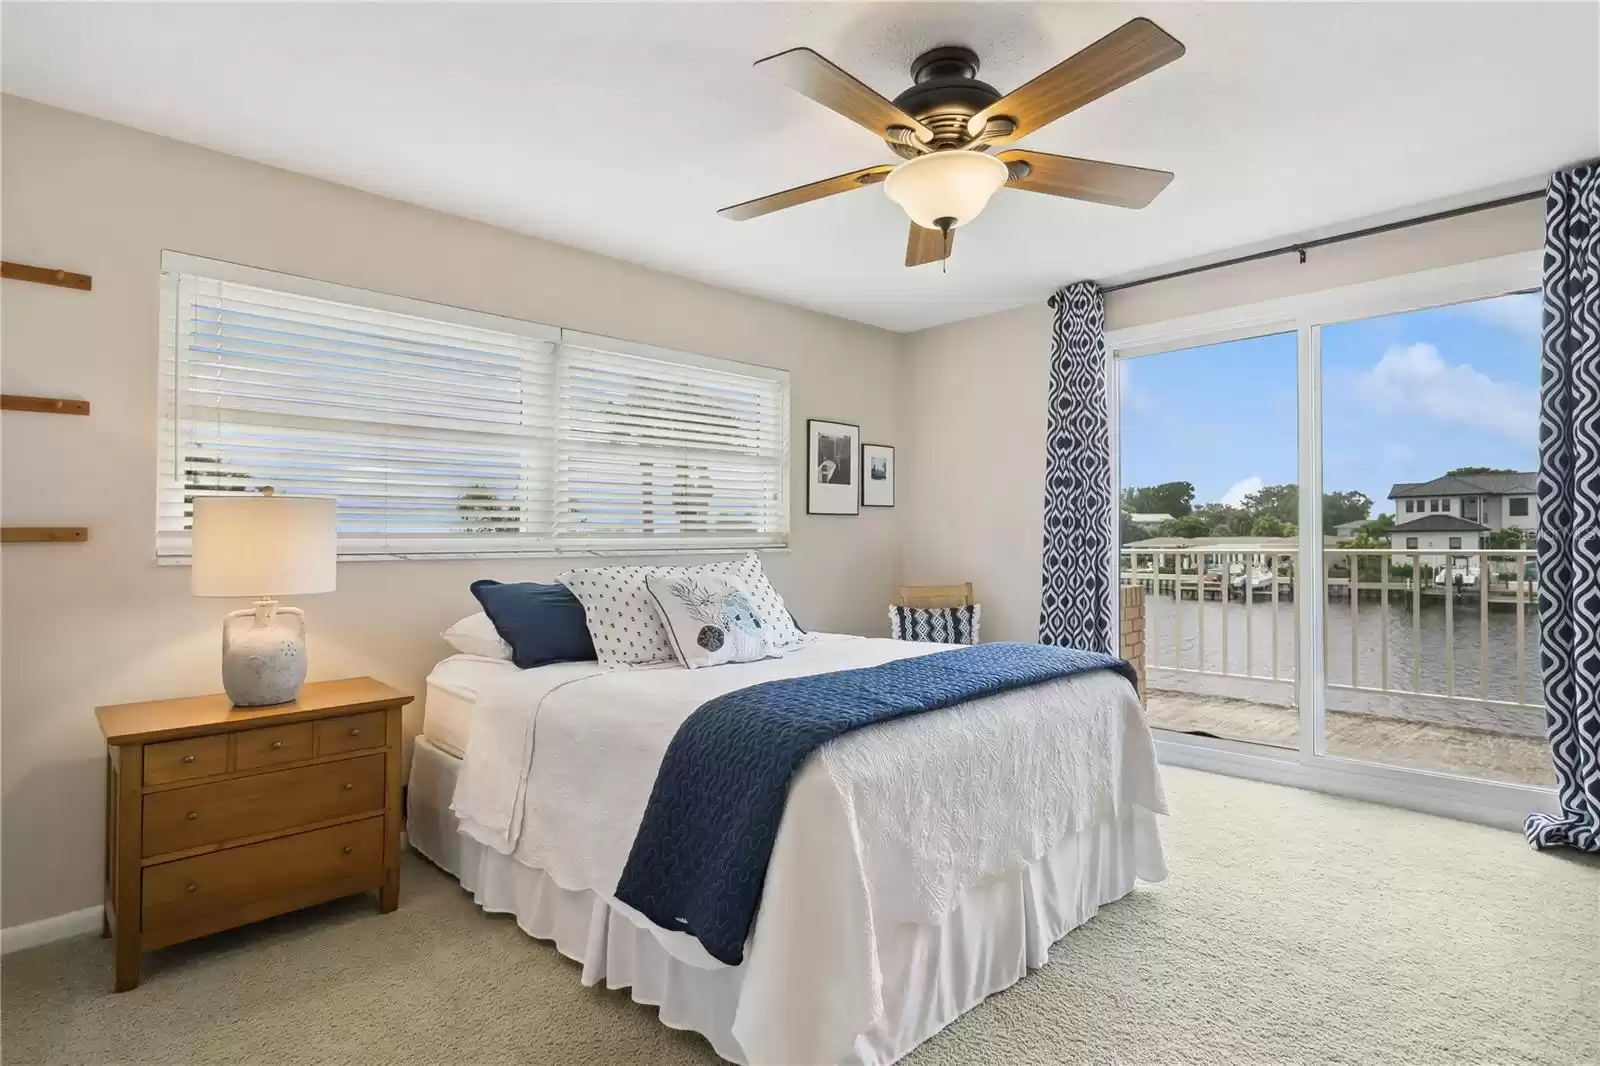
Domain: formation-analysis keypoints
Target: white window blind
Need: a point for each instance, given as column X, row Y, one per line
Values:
column 443, row 431
column 667, row 452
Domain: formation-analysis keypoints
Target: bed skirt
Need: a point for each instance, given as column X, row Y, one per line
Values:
column 932, row 974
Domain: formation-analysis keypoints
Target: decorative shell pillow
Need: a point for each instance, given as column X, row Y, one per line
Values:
column 709, row 618
column 770, row 608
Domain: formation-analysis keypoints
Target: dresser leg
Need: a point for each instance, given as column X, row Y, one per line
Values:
column 389, row 893
column 105, row 924
column 127, row 948
column 126, row 876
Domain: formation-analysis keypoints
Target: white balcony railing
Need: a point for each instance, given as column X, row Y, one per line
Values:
column 1433, row 635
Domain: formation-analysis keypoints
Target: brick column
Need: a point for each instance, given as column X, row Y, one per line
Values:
column 1131, row 620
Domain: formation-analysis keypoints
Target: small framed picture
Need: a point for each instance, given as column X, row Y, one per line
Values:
column 877, row 475
column 833, row 482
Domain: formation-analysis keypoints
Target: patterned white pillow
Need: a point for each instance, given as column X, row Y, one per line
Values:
column 770, row 610
column 709, row 617
column 622, row 620
column 626, row 627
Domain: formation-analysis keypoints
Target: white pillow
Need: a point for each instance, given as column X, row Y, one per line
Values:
column 476, row 635
column 627, row 629
column 709, row 618
column 622, row 621
column 770, row 610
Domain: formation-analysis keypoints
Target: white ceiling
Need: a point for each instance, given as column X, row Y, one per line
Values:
column 622, row 128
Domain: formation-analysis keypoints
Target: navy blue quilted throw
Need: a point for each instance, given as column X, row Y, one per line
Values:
column 699, row 861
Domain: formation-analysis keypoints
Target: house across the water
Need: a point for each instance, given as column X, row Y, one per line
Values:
column 1459, row 512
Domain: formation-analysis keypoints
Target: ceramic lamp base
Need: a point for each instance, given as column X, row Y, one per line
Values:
column 263, row 655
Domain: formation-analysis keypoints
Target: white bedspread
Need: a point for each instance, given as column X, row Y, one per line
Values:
column 885, row 824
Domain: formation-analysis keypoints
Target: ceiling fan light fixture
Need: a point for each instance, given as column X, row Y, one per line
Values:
column 949, row 185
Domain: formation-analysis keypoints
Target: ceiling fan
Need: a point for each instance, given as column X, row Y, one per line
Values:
column 945, row 125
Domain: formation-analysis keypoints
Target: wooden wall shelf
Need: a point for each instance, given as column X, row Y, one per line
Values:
column 44, row 534
column 66, row 279
column 44, row 405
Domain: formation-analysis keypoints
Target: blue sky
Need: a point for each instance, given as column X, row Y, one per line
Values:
column 1405, row 398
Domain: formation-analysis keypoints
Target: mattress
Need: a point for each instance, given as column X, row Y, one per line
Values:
column 452, row 698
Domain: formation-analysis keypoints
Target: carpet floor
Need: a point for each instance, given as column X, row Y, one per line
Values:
column 1295, row 928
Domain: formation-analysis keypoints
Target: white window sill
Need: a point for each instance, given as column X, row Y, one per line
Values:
column 575, row 554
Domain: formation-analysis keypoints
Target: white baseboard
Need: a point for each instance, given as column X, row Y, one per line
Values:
column 32, row 934
column 46, row 930
column 1503, row 806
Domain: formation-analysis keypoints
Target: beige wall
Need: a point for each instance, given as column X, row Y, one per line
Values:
column 975, row 391
column 101, row 622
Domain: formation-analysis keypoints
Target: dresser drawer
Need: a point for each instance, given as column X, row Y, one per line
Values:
column 348, row 857
column 179, row 760
column 353, row 732
column 255, row 748
column 262, row 803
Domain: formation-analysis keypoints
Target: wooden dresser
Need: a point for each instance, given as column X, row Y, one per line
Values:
column 217, row 816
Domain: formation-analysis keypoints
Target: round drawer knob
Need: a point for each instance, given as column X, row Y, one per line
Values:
column 355, row 731
column 348, row 848
column 192, row 815
column 188, row 758
column 276, row 744
column 349, row 786
column 191, row 887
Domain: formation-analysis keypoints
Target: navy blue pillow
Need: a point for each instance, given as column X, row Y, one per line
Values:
column 542, row 623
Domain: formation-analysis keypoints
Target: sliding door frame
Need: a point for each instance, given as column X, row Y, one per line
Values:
column 1309, row 765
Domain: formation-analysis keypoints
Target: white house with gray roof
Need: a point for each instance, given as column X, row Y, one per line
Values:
column 1458, row 512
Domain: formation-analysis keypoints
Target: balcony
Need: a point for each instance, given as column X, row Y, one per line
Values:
column 1430, row 659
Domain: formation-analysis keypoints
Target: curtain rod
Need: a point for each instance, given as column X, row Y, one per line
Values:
column 1303, row 246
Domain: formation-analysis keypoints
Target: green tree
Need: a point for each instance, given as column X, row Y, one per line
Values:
column 1341, row 507
column 1225, row 520
column 1468, row 471
column 1175, row 498
column 1375, row 534
column 1279, row 501
column 1190, row 526
column 1270, row 525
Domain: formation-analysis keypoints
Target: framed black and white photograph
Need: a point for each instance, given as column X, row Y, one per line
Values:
column 877, row 475
column 834, row 479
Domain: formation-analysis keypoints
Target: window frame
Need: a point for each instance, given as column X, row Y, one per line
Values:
column 179, row 263
column 1511, row 507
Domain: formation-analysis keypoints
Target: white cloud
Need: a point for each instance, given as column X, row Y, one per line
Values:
column 1521, row 312
column 1414, row 381
column 1242, row 488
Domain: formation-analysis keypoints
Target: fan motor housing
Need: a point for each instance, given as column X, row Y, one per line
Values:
column 944, row 94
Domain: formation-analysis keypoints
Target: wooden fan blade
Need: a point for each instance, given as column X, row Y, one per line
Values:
column 1085, row 179
column 927, row 246
column 807, row 73
column 802, row 194
column 1129, row 52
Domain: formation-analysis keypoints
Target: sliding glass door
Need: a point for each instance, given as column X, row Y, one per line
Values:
column 1429, row 584
column 1330, row 502
column 1209, row 507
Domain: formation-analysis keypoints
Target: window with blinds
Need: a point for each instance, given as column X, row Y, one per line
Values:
column 447, row 432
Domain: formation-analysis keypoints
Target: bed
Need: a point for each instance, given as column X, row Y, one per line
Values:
column 920, row 865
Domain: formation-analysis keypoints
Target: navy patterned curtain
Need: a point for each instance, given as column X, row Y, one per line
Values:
column 1569, row 507
column 1077, row 604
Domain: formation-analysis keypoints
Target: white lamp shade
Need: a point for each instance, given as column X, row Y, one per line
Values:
column 263, row 546
column 951, row 184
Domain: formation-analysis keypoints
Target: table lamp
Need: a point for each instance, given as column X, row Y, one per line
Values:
column 263, row 546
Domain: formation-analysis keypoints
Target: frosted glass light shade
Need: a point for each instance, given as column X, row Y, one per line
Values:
column 262, row 546
column 950, row 184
